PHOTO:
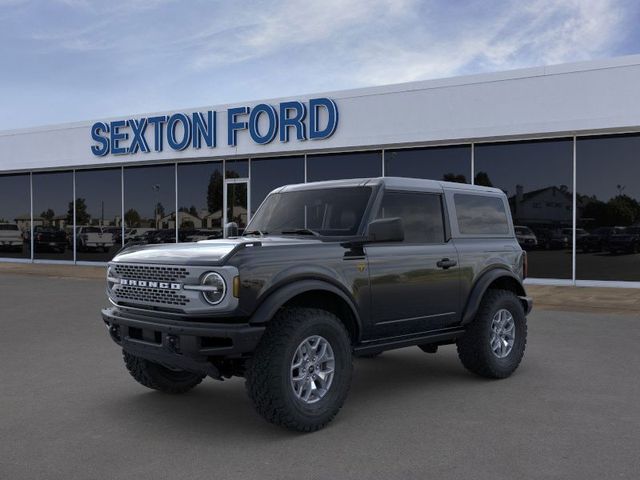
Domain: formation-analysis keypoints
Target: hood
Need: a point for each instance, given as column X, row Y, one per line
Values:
column 205, row 252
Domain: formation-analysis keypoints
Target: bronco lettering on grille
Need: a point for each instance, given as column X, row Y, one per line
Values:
column 151, row 284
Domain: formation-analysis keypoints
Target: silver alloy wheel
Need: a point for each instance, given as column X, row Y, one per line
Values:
column 503, row 333
column 312, row 369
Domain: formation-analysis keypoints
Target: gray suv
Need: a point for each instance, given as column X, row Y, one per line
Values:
column 324, row 272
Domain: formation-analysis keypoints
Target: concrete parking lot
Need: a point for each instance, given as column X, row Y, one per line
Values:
column 69, row 410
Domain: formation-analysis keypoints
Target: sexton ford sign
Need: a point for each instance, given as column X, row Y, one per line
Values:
column 313, row 120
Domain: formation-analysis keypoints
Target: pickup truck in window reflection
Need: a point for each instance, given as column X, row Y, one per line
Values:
column 322, row 273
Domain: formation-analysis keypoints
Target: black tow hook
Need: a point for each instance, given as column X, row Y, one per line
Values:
column 173, row 344
column 114, row 331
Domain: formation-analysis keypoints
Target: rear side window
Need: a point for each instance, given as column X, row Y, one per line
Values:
column 481, row 215
column 421, row 215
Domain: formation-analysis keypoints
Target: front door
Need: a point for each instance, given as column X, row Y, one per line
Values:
column 236, row 205
column 415, row 284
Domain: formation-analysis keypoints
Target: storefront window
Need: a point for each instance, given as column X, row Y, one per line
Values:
column 53, row 215
column 451, row 164
column 237, row 168
column 200, row 202
column 537, row 177
column 149, row 204
column 15, row 216
column 608, row 201
column 98, row 214
column 337, row 166
column 270, row 173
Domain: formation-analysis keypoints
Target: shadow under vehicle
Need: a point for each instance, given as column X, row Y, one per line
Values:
column 325, row 271
column 526, row 238
column 626, row 241
column 10, row 237
column 597, row 240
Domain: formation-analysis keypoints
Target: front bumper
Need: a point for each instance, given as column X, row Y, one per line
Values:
column 180, row 344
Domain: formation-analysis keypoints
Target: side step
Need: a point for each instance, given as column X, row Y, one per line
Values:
column 436, row 336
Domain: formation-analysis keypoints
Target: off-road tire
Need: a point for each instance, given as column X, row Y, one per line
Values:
column 474, row 348
column 157, row 377
column 268, row 380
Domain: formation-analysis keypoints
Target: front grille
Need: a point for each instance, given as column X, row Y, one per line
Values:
column 153, row 273
column 150, row 295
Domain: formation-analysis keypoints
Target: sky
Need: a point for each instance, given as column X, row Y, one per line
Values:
column 73, row 60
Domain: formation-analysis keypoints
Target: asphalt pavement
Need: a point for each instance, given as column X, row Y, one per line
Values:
column 69, row 410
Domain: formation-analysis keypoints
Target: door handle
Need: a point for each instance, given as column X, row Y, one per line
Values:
column 446, row 263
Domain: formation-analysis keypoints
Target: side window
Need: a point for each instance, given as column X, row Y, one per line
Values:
column 421, row 215
column 481, row 215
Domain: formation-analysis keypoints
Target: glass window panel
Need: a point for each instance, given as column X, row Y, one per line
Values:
column 15, row 216
column 608, row 208
column 149, row 204
column 421, row 215
column 236, row 208
column 98, row 214
column 200, row 190
column 336, row 166
column 237, row 168
column 270, row 173
column 451, row 164
column 480, row 215
column 53, row 215
column 537, row 178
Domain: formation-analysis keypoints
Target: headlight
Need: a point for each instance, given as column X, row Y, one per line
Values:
column 215, row 288
column 110, row 278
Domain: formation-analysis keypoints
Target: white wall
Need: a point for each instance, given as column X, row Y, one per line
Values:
column 576, row 98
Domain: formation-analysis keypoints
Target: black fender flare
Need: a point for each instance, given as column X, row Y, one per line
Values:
column 482, row 285
column 281, row 295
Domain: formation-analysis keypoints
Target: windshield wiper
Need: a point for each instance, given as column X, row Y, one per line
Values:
column 255, row 232
column 300, row 231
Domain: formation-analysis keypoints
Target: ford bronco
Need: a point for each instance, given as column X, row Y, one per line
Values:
column 324, row 272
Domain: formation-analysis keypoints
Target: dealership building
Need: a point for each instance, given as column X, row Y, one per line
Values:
column 563, row 142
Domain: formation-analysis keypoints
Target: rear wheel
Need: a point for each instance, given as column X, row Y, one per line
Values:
column 300, row 373
column 494, row 343
column 158, row 377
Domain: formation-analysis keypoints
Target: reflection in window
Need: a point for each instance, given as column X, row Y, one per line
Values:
column 149, row 204
column 480, row 215
column 53, row 215
column 608, row 201
column 237, row 168
column 451, row 164
column 98, row 214
column 344, row 165
column 537, row 178
column 200, row 190
column 15, row 216
column 421, row 215
column 270, row 173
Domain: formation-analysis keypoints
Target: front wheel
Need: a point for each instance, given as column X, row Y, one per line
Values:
column 494, row 343
column 158, row 377
column 300, row 372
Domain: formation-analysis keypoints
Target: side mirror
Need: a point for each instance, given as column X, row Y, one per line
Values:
column 386, row 230
column 231, row 229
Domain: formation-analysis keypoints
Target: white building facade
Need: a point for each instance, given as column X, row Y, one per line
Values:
column 563, row 142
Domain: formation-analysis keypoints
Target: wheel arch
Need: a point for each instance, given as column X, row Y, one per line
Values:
column 311, row 293
column 498, row 279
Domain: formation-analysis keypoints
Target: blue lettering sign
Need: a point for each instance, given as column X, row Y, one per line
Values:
column 316, row 119
column 102, row 147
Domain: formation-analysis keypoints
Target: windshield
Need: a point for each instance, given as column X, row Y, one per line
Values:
column 322, row 211
column 8, row 226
